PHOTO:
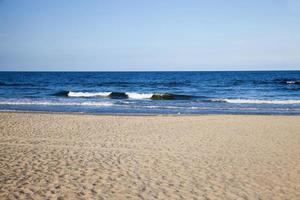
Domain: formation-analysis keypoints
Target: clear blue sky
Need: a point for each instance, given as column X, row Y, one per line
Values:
column 149, row 35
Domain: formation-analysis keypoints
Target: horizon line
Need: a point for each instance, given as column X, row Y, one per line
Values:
column 264, row 70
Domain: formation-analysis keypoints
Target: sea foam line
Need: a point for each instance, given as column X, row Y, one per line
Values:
column 47, row 103
column 257, row 101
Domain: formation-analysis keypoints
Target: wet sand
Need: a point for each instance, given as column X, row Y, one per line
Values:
column 69, row 156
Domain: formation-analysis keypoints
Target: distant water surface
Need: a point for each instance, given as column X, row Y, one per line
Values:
column 272, row 92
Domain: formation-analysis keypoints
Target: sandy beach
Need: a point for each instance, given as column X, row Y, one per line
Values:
column 69, row 156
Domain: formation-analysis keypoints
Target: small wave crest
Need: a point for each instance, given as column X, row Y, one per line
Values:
column 88, row 94
column 288, row 81
column 257, row 101
column 134, row 95
column 293, row 82
column 113, row 95
column 125, row 95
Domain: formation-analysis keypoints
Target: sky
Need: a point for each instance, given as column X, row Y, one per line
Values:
column 146, row 35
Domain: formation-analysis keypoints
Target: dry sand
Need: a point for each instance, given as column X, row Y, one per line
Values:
column 66, row 156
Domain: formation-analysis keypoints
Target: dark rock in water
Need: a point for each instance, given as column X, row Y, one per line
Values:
column 62, row 93
column 118, row 95
column 162, row 97
column 169, row 96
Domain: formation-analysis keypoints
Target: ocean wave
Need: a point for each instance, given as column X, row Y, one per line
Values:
column 287, row 81
column 257, row 101
column 125, row 95
column 88, row 94
column 81, row 94
column 134, row 95
column 50, row 103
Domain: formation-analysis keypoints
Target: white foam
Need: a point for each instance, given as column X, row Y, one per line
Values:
column 133, row 95
column 258, row 101
column 49, row 103
column 292, row 82
column 88, row 94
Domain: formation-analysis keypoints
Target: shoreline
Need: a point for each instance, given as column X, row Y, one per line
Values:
column 143, row 114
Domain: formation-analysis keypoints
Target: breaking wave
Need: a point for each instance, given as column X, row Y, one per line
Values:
column 125, row 95
column 169, row 96
column 88, row 94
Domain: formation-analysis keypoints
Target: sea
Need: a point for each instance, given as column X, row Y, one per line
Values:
column 226, row 92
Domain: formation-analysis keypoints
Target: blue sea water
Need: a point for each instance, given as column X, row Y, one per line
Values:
column 269, row 92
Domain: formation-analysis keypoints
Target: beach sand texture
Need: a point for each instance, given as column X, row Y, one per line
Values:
column 68, row 156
